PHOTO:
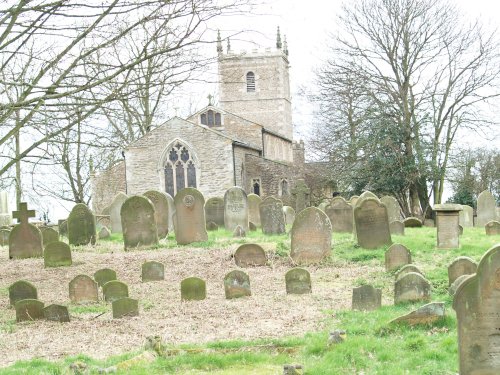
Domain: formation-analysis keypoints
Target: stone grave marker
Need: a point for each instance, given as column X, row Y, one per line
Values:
column 5, row 216
column 289, row 213
column 235, row 209
column 407, row 269
column 125, row 307
column 486, row 208
column 49, row 235
column 492, row 228
column 366, row 298
column 397, row 228
column 237, row 284
column 153, row 271
column 353, row 200
column 81, row 226
column 82, row 289
column 429, row 223
column 214, row 211
column 298, row 281
column 62, row 226
column 193, row 289
column 427, row 314
column 114, row 290
column 104, row 275
column 104, row 233
column 477, row 304
column 29, row 309
column 371, row 223
column 190, row 217
column 301, row 194
column 397, row 255
column 461, row 266
column 249, row 255
column 239, row 232
column 138, row 222
column 115, row 218
column 253, row 209
column 25, row 240
column 411, row 287
column 160, row 203
column 252, row 227
column 57, row 254
column 56, row 313
column 272, row 217
column 212, row 226
column 454, row 286
column 4, row 237
column 21, row 290
column 412, row 222
column 393, row 209
column 340, row 214
column 466, row 216
column 171, row 213
column 448, row 231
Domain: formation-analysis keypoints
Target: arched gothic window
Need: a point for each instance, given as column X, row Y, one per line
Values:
column 250, row 82
column 256, row 186
column 211, row 118
column 180, row 169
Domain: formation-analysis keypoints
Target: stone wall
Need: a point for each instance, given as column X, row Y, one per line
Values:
column 277, row 148
column 240, row 164
column 106, row 184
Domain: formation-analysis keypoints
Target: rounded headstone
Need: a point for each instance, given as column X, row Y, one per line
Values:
column 492, row 228
column 371, row 223
column 214, row 211
column 212, row 226
column 21, row 290
column 25, row 241
column 253, row 209
column 366, row 297
column 114, row 290
column 81, row 226
column 411, row 287
column 393, row 209
column 49, row 235
column 138, row 222
column 104, row 275
column 83, row 289
column 407, row 269
column 193, row 289
column 160, row 203
column 412, row 222
column 289, row 213
column 104, row 232
column 114, row 212
column 235, row 209
column 237, row 284
column 239, row 232
column 397, row 255
column 397, row 228
column 454, row 286
column 57, row 254
column 153, row 271
column 190, row 217
column 461, row 266
column 298, row 280
column 339, row 211
column 248, row 255
column 486, row 208
column 272, row 217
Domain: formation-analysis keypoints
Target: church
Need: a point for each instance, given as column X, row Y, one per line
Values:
column 246, row 140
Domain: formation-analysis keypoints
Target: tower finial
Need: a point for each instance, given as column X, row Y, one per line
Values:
column 278, row 39
column 219, row 43
column 228, row 45
column 285, row 46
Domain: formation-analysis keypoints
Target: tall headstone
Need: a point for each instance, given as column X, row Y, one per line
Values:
column 81, row 226
column 138, row 222
column 249, row 255
column 492, row 228
column 461, row 266
column 171, row 213
column 411, row 287
column 160, row 203
column 272, row 217
column 5, row 216
column 301, row 195
column 448, row 231
column 340, row 214
column 366, row 297
column 214, row 211
column 190, row 217
column 372, row 223
column 21, row 290
column 466, row 216
column 57, row 254
column 235, row 209
column 357, row 202
column 311, row 236
column 298, row 281
column 153, row 271
column 49, row 235
column 253, row 209
column 193, row 289
column 237, row 284
column 289, row 213
column 82, row 289
column 114, row 212
column 397, row 255
column 393, row 209
column 25, row 240
column 486, row 208
column 397, row 228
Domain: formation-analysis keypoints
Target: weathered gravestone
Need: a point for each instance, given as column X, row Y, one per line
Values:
column 448, row 231
column 211, row 226
column 104, row 233
column 353, row 200
column 477, row 304
column 492, row 228
column 235, row 209
column 461, row 266
column 252, row 226
column 25, row 240
column 57, row 254
column 366, row 297
column 115, row 218
column 138, row 222
column 160, row 203
column 298, row 281
column 83, row 289
column 289, row 213
column 62, row 226
column 21, row 290
column 239, row 232
column 81, row 226
column 372, row 224
column 114, row 290
column 427, row 314
column 153, row 271
column 407, row 269
column 125, row 307
column 190, row 217
column 392, row 205
column 411, row 287
column 486, row 208
column 237, row 284
column 28, row 309
column 466, row 216
column 171, row 213
column 253, row 209
column 340, row 214
column 49, row 235
column 412, row 222
column 248, row 255
column 4, row 237
column 454, row 286
column 272, row 217
column 214, row 211
column 301, row 195
column 397, row 228
column 193, row 289
column 56, row 313
column 104, row 275
column 397, row 255
column 5, row 216
column 311, row 236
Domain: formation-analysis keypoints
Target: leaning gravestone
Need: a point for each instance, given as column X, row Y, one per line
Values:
column 193, row 289
column 4, row 237
column 249, row 255
column 393, row 210
column 235, row 209
column 104, row 275
column 83, row 289
column 492, row 228
column 160, row 203
column 311, row 236
column 477, row 304
column 29, row 309
column 411, row 287
column 397, row 255
column 407, row 269
column 289, row 213
column 397, row 228
column 190, row 217
column 366, row 297
column 253, row 209
column 81, row 226
column 49, row 235
column 214, row 211
column 371, row 223
column 25, row 239
column 237, row 284
column 448, row 229
column 427, row 314
column 272, row 217
column 56, row 313
column 138, row 222
column 340, row 215
column 21, row 290
column 298, row 281
column 114, row 212
column 114, row 290
column 153, row 271
column 57, row 254
column 301, row 195
column 486, row 208
column 124, row 307
column 461, row 266
column 466, row 216
column 412, row 222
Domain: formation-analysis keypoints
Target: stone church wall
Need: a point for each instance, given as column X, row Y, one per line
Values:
column 105, row 185
column 277, row 148
column 239, row 163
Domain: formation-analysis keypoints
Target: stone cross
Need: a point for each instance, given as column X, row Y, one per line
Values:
column 209, row 97
column 23, row 214
column 301, row 193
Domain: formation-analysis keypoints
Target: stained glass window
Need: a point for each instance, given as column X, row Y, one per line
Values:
column 180, row 169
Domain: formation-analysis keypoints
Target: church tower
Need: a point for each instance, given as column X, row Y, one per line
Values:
column 255, row 85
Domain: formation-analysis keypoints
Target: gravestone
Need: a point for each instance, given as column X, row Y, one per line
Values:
column 189, row 217
column 371, row 223
column 153, row 271
column 171, row 213
column 353, row 200
column 160, row 204
column 138, row 222
column 49, row 235
column 477, row 304
column 83, row 289
column 56, row 313
column 289, row 213
column 411, row 287
column 239, row 232
column 193, row 289
column 25, row 239
column 104, row 275
column 114, row 290
column 214, row 211
column 454, row 286
column 311, row 236
column 125, row 307
column 340, row 214
column 397, row 228
column 62, row 226
column 492, row 228
column 102, row 221
column 21, row 290
column 412, row 222
column 301, row 194
column 4, row 237
column 57, row 254
column 407, row 269
column 486, row 208
column 429, row 223
column 272, row 217
column 235, row 209
column 466, row 216
column 249, row 255
column 253, row 209
column 115, row 218
column 104, row 233
column 211, row 226
column 392, row 205
column 448, row 231
column 5, row 216
column 81, row 226
column 461, row 266
column 366, row 298
column 397, row 255
column 29, row 309
column 252, row 226
column 236, row 285
column 427, row 314
column 298, row 281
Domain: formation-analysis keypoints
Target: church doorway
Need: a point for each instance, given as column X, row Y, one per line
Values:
column 180, row 169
